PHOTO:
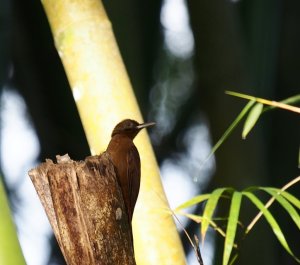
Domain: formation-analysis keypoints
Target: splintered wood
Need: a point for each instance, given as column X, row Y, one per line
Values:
column 85, row 207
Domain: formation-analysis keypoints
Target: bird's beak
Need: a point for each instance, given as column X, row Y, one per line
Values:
column 145, row 125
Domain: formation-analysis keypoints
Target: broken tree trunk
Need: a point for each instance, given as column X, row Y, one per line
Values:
column 85, row 207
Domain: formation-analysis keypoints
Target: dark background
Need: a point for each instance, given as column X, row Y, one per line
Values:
column 246, row 46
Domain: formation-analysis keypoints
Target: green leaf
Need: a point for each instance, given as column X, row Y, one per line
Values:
column 233, row 259
column 285, row 204
column 232, row 225
column 193, row 201
column 209, row 210
column 251, row 188
column 230, row 128
column 272, row 222
column 252, row 118
column 291, row 198
column 199, row 219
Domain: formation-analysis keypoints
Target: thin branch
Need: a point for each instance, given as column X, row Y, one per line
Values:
column 265, row 101
column 269, row 203
column 195, row 244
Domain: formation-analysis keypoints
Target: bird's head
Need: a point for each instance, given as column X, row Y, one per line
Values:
column 130, row 128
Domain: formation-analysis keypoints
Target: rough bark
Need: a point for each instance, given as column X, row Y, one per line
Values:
column 85, row 207
column 84, row 39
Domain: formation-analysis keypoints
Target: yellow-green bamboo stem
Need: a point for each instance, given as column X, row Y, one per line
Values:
column 104, row 96
column 272, row 103
column 10, row 250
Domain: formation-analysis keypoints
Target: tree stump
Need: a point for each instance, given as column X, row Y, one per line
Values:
column 85, row 207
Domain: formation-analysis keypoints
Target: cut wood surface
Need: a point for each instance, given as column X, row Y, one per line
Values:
column 84, row 205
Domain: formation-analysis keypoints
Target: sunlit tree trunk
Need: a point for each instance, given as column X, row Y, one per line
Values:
column 85, row 42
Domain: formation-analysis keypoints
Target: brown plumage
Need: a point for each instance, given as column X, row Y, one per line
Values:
column 126, row 160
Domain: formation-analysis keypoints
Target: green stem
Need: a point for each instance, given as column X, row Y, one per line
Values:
column 10, row 250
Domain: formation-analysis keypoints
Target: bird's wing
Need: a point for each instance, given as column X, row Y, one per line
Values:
column 134, row 175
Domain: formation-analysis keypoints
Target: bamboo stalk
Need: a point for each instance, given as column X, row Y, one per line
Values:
column 104, row 96
column 10, row 250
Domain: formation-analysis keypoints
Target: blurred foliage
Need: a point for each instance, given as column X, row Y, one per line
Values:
column 232, row 242
column 251, row 112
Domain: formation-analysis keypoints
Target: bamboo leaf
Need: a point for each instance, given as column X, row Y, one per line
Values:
column 232, row 225
column 230, row 128
column 209, row 210
column 193, row 201
column 252, row 118
column 233, row 259
column 285, row 204
column 251, row 188
column 272, row 222
column 198, row 219
column 291, row 198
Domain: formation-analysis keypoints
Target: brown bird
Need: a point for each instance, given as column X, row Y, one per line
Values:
column 126, row 160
